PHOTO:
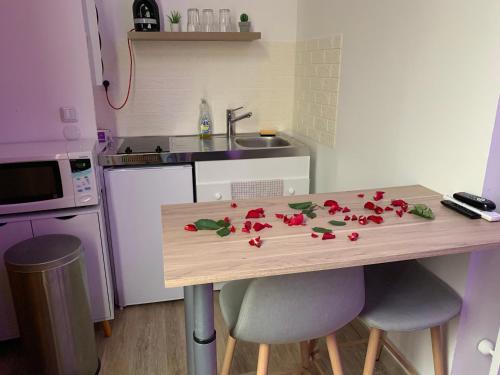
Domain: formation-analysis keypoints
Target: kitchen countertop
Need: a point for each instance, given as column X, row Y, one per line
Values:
column 186, row 149
column 192, row 258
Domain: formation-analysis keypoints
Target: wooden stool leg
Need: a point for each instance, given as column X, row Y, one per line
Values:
column 263, row 360
column 380, row 347
column 371, row 353
column 333, row 352
column 106, row 327
column 305, row 354
column 437, row 350
column 228, row 357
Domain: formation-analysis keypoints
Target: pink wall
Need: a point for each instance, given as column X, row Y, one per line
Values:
column 44, row 65
column 481, row 313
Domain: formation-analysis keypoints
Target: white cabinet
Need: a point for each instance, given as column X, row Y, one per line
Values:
column 84, row 223
column 134, row 198
column 215, row 180
column 87, row 228
column 10, row 234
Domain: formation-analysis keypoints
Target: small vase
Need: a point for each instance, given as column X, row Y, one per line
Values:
column 245, row 27
column 175, row 27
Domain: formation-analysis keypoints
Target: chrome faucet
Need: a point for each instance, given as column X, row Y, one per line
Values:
column 232, row 120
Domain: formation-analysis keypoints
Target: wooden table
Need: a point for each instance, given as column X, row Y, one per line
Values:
column 196, row 260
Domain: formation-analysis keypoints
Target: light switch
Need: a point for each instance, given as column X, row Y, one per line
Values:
column 68, row 114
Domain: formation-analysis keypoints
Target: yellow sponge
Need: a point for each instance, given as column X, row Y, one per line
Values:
column 267, row 132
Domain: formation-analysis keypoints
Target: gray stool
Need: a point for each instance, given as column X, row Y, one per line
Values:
column 405, row 296
column 291, row 308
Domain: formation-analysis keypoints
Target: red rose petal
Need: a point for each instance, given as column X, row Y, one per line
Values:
column 389, row 208
column 330, row 203
column 379, row 195
column 259, row 226
column 353, row 236
column 347, row 218
column 255, row 214
column 247, row 225
column 399, row 213
column 191, row 228
column 328, row 236
column 361, row 195
column 379, row 210
column 279, row 216
column 354, row 218
column 369, row 205
column 233, row 229
column 400, row 203
column 296, row 219
column 226, row 219
column 363, row 220
column 234, row 205
column 376, row 219
column 346, row 209
column 314, row 235
column 255, row 242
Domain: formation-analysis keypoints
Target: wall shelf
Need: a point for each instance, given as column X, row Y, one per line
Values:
column 194, row 36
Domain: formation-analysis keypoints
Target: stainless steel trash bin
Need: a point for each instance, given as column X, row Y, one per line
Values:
column 47, row 279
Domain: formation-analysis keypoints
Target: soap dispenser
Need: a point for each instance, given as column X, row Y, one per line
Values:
column 205, row 120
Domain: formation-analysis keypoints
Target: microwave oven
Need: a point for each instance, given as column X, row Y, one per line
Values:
column 40, row 176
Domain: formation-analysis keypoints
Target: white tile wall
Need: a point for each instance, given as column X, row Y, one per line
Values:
column 171, row 78
column 317, row 78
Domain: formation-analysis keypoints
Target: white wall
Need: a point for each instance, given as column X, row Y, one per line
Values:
column 44, row 66
column 417, row 100
column 171, row 77
column 481, row 313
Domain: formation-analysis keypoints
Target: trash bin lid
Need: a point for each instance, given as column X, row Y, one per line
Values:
column 43, row 253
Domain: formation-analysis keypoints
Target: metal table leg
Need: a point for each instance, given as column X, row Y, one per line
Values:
column 189, row 327
column 200, row 341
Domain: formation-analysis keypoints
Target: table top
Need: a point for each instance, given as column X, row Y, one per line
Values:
column 202, row 257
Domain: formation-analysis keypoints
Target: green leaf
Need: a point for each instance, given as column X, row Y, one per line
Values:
column 300, row 206
column 223, row 232
column 337, row 223
column 423, row 211
column 321, row 230
column 309, row 213
column 222, row 223
column 207, row 224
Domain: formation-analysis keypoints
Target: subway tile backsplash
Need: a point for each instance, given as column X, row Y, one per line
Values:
column 317, row 80
column 171, row 78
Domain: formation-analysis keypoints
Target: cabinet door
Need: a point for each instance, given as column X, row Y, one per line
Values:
column 86, row 228
column 10, row 234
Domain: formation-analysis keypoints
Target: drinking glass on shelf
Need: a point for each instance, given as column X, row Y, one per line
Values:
column 193, row 20
column 207, row 20
column 224, row 20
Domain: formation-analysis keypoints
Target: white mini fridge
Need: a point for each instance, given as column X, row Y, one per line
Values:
column 134, row 196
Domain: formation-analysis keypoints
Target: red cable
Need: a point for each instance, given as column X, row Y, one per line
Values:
column 131, row 63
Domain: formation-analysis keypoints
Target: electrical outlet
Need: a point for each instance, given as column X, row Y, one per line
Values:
column 68, row 114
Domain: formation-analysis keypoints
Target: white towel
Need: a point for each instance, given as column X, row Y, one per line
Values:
column 256, row 189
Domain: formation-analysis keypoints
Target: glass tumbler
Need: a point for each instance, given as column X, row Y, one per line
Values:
column 207, row 20
column 224, row 20
column 193, row 20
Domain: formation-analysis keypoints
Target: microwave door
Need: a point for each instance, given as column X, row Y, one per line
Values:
column 35, row 186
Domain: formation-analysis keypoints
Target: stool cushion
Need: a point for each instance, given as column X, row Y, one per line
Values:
column 292, row 308
column 405, row 296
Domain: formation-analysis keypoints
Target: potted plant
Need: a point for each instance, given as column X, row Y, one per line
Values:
column 244, row 23
column 175, row 21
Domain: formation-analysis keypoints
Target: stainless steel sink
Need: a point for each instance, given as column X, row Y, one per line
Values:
column 261, row 142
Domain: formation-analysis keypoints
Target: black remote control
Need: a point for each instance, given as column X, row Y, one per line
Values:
column 480, row 203
column 460, row 209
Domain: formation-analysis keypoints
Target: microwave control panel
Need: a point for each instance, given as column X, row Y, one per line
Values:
column 84, row 182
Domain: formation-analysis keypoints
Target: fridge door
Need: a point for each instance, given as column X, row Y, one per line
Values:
column 134, row 197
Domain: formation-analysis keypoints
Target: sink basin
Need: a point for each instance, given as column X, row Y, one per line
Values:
column 261, row 142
